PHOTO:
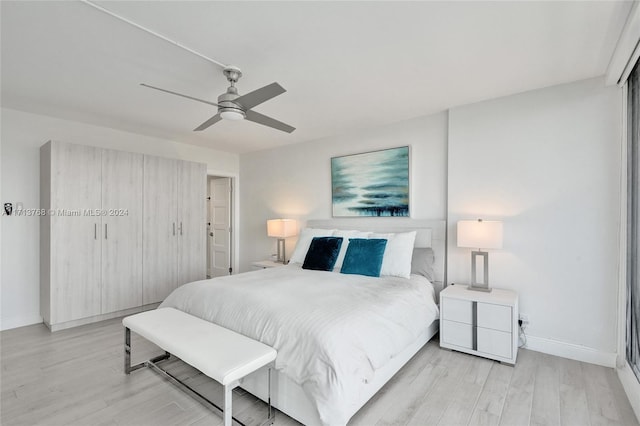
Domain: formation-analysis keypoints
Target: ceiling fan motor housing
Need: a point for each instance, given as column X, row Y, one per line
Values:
column 227, row 107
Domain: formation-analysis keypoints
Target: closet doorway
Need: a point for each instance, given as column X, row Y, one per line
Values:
column 219, row 226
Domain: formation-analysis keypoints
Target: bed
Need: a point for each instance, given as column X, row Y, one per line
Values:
column 326, row 326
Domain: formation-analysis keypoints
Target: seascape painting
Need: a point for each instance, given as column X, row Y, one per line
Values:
column 371, row 184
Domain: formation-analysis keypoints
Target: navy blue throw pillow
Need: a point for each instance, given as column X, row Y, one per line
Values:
column 323, row 253
column 364, row 256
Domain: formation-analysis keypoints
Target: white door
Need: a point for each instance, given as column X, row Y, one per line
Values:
column 121, row 231
column 192, row 222
column 75, row 232
column 160, row 229
column 220, row 228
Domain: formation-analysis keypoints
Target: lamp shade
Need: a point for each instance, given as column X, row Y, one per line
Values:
column 281, row 228
column 480, row 234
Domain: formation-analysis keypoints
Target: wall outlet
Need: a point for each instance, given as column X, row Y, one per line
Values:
column 524, row 318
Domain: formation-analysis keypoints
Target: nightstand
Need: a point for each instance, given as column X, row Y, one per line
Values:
column 483, row 324
column 265, row 264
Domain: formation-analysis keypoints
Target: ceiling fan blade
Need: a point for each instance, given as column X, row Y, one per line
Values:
column 259, row 96
column 209, row 122
column 256, row 117
column 179, row 94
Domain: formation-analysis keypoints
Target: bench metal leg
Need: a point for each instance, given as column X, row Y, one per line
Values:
column 227, row 411
column 128, row 368
column 228, row 405
column 228, row 392
column 271, row 415
column 270, row 412
column 127, row 350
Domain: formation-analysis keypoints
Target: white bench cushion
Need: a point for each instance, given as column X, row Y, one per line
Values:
column 221, row 354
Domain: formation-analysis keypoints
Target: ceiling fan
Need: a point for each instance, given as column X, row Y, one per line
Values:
column 232, row 106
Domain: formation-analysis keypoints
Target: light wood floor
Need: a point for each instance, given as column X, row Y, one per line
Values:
column 74, row 377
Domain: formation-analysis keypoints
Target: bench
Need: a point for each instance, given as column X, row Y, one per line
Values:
column 221, row 354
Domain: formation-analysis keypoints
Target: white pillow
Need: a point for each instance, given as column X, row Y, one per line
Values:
column 422, row 262
column 398, row 253
column 304, row 241
column 345, row 243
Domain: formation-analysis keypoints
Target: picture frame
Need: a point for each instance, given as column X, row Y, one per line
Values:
column 371, row 184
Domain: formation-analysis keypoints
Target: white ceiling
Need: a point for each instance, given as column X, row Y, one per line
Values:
column 345, row 65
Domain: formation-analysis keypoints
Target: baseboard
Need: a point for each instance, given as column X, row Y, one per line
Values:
column 16, row 322
column 571, row 351
column 89, row 320
column 631, row 387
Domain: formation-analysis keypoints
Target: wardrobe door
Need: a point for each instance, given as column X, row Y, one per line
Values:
column 75, row 233
column 121, row 230
column 160, row 228
column 192, row 217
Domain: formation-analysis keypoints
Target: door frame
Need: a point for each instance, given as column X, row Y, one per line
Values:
column 235, row 214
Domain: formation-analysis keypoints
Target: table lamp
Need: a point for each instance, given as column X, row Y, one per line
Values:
column 480, row 234
column 281, row 229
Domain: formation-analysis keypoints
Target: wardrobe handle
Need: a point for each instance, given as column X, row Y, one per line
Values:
column 174, row 229
column 95, row 231
column 180, row 228
column 105, row 231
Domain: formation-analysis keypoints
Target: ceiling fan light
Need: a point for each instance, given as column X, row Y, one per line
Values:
column 232, row 115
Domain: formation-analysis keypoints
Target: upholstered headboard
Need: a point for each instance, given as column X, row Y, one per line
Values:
column 430, row 233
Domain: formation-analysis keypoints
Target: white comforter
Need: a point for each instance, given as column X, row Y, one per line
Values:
column 331, row 330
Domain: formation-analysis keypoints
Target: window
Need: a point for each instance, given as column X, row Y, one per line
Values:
column 633, row 225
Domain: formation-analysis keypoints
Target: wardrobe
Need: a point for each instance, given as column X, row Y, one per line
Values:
column 119, row 231
column 175, row 225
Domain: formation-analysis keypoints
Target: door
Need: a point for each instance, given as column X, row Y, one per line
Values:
column 192, row 221
column 75, row 232
column 160, row 228
column 219, row 239
column 121, row 231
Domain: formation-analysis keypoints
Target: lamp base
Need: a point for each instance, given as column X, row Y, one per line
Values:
column 281, row 252
column 475, row 285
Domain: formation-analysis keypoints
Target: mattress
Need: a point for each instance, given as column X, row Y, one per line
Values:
column 332, row 331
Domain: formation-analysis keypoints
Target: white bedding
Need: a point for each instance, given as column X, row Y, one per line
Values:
column 331, row 331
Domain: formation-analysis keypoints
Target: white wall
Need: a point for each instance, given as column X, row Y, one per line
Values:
column 21, row 136
column 547, row 163
column 295, row 181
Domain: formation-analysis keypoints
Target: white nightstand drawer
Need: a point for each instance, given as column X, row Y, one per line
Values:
column 455, row 333
column 494, row 342
column 496, row 317
column 457, row 310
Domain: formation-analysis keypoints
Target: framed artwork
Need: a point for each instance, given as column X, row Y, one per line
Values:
column 371, row 184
